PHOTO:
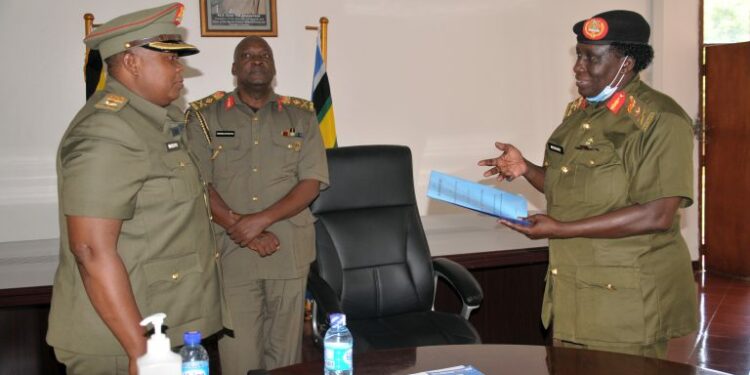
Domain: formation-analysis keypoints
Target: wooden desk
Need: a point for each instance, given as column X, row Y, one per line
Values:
column 503, row 359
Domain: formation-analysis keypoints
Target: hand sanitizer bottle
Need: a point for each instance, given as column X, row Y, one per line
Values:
column 159, row 358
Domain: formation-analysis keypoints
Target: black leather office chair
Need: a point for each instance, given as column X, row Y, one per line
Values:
column 373, row 262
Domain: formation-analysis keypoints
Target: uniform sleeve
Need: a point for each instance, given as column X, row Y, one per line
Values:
column 103, row 166
column 313, row 163
column 665, row 167
column 200, row 146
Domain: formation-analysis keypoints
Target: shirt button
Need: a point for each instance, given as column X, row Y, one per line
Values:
column 255, row 118
column 255, row 198
column 289, row 146
column 255, row 169
column 564, row 169
column 182, row 164
column 591, row 162
column 217, row 255
column 255, row 142
column 589, row 141
column 546, row 163
column 586, row 126
column 554, row 271
column 175, row 276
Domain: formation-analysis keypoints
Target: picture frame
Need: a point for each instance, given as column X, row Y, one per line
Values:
column 238, row 18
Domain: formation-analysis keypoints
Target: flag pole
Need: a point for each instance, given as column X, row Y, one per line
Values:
column 324, row 38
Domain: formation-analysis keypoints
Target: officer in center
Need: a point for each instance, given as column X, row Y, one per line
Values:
column 264, row 157
column 615, row 173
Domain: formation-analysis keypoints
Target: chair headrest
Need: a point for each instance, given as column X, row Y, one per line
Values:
column 367, row 177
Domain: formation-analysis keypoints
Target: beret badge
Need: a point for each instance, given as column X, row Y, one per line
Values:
column 595, row 28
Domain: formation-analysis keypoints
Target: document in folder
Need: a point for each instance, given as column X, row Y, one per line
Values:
column 477, row 197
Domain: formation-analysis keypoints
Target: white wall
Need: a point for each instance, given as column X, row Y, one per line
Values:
column 446, row 78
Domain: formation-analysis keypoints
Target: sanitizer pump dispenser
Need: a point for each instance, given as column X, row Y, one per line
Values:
column 159, row 358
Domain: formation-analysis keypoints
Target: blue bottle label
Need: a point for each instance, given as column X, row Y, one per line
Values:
column 338, row 356
column 195, row 368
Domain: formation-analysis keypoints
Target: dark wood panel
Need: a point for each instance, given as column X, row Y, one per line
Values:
column 513, row 291
column 24, row 351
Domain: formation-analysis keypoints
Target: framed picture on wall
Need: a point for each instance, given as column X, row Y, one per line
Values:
column 238, row 17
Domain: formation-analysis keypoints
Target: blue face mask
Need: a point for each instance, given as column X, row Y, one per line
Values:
column 610, row 89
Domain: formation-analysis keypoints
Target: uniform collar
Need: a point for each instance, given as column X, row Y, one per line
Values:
column 616, row 101
column 273, row 99
column 150, row 110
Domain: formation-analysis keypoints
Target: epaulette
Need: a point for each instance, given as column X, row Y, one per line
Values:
column 640, row 113
column 207, row 101
column 197, row 106
column 296, row 102
column 112, row 102
column 574, row 106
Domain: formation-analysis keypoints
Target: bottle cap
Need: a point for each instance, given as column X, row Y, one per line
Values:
column 337, row 319
column 192, row 337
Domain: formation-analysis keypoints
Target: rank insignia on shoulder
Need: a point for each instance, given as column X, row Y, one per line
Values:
column 112, row 102
column 291, row 132
column 225, row 133
column 207, row 101
column 575, row 105
column 296, row 102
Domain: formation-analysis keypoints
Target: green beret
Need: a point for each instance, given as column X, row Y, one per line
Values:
column 621, row 26
column 154, row 28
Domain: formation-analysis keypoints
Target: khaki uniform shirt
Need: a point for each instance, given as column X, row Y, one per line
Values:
column 635, row 148
column 124, row 158
column 254, row 159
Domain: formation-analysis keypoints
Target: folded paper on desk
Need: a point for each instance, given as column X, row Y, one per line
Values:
column 478, row 197
column 457, row 370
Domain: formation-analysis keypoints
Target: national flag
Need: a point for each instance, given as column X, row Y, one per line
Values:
column 321, row 98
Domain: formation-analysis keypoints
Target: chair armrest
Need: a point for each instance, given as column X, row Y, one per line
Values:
column 325, row 301
column 462, row 281
column 323, row 294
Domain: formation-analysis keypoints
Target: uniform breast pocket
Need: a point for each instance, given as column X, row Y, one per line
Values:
column 229, row 153
column 182, row 175
column 286, row 149
column 601, row 175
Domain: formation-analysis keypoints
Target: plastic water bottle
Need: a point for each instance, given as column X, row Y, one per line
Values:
column 194, row 355
column 337, row 347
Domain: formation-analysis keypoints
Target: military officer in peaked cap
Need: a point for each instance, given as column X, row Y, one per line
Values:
column 615, row 172
column 134, row 225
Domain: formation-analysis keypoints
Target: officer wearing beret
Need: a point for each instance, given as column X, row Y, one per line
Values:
column 136, row 238
column 615, row 173
column 264, row 157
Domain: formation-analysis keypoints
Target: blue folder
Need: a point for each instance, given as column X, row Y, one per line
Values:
column 478, row 197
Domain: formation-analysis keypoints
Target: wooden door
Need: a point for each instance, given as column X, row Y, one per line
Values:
column 727, row 159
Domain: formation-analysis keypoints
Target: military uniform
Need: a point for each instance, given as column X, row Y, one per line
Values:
column 124, row 157
column 254, row 159
column 618, row 292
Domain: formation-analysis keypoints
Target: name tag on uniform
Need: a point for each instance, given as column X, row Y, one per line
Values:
column 172, row 146
column 225, row 133
column 555, row 148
